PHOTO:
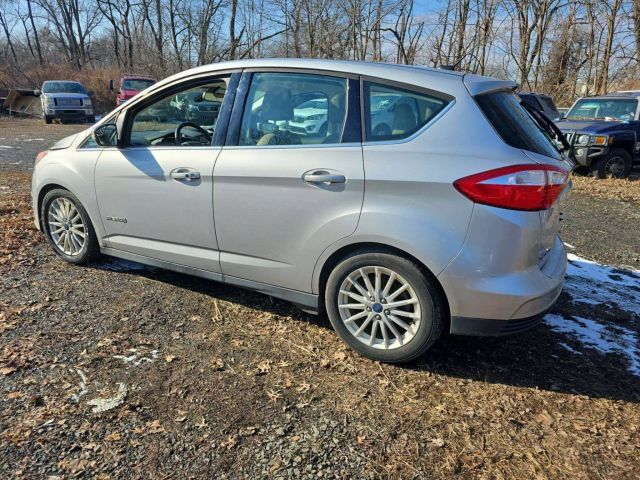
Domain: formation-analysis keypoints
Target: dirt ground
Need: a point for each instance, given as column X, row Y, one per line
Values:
column 203, row 380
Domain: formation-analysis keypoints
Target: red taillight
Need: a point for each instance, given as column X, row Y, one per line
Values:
column 519, row 187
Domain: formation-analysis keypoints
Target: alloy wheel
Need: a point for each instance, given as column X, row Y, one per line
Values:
column 379, row 307
column 66, row 227
column 614, row 167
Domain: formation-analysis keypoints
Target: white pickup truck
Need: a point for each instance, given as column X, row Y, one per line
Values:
column 66, row 100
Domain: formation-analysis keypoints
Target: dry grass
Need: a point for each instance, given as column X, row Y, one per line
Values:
column 627, row 190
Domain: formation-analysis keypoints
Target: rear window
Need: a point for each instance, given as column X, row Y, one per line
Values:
column 514, row 124
column 136, row 83
column 393, row 113
column 531, row 100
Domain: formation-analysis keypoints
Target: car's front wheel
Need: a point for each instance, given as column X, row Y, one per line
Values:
column 616, row 164
column 384, row 306
column 68, row 228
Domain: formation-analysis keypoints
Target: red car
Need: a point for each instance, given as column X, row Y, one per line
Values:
column 130, row 86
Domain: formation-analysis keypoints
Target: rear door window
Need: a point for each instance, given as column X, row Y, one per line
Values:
column 515, row 125
column 393, row 113
column 294, row 109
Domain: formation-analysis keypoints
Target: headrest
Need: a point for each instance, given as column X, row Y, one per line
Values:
column 277, row 104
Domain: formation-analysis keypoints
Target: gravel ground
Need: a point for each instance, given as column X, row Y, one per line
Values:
column 198, row 379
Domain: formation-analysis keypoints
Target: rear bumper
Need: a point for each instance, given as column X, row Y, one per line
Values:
column 499, row 275
column 485, row 327
column 523, row 308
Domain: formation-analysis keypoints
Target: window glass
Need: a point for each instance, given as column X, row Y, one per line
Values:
column 63, row 87
column 136, row 83
column 531, row 100
column 294, row 109
column 622, row 109
column 156, row 124
column 393, row 113
column 514, row 124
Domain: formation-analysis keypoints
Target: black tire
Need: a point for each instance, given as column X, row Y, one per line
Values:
column 48, row 119
column 605, row 168
column 91, row 249
column 433, row 306
column 91, row 120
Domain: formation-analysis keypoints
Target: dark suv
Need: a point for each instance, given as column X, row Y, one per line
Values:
column 603, row 132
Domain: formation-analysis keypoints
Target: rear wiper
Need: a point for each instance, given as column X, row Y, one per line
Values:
column 550, row 128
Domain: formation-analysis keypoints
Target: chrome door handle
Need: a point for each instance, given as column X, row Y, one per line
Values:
column 184, row 173
column 324, row 178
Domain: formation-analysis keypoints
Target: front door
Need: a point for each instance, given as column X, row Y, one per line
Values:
column 293, row 184
column 155, row 194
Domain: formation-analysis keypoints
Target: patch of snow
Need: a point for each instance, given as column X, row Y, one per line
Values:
column 83, row 386
column 136, row 358
column 104, row 404
column 593, row 283
column 605, row 338
column 5, row 146
column 570, row 348
column 33, row 140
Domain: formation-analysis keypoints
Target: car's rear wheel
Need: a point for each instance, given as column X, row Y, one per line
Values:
column 48, row 119
column 384, row 306
column 616, row 164
column 68, row 228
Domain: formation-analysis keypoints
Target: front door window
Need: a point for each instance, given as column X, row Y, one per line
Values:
column 185, row 118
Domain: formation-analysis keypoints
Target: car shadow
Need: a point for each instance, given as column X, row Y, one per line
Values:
column 539, row 358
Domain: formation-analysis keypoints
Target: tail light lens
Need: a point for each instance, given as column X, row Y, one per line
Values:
column 518, row 187
column 40, row 156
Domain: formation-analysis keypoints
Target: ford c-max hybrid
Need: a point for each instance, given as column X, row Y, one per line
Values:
column 425, row 201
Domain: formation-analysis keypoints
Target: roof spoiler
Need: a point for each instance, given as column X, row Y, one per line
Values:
column 477, row 84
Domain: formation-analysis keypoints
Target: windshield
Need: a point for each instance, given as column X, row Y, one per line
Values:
column 63, row 87
column 609, row 109
column 515, row 125
column 136, row 83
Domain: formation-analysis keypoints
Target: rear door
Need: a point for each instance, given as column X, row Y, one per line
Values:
column 290, row 181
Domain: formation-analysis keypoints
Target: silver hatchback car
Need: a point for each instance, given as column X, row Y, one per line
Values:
column 425, row 201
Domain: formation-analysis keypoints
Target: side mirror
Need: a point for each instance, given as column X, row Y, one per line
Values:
column 111, row 85
column 106, row 135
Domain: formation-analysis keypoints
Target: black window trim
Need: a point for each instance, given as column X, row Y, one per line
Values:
column 450, row 99
column 353, row 117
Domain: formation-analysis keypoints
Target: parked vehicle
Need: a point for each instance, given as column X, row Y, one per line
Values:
column 130, row 86
column 66, row 100
column 429, row 228
column 543, row 103
column 604, row 133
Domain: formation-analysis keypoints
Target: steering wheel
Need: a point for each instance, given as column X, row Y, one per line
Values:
column 178, row 132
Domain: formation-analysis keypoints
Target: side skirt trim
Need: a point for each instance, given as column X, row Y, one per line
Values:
column 306, row 301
